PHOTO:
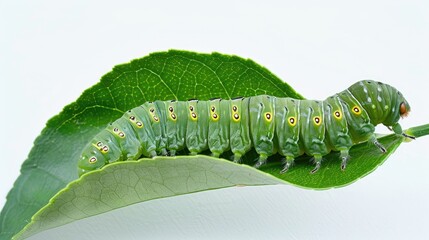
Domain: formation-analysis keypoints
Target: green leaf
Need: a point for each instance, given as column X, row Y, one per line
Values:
column 124, row 183
column 180, row 75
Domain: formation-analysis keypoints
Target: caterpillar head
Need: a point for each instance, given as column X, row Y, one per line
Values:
column 400, row 108
column 383, row 103
column 90, row 159
column 404, row 108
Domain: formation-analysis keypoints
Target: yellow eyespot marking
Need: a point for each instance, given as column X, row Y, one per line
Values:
column 356, row 110
column 291, row 121
column 234, row 108
column 98, row 145
column 191, row 108
column 213, row 109
column 337, row 114
column 170, row 109
column 155, row 118
column 215, row 117
column 194, row 116
column 120, row 134
column 92, row 160
column 173, row 116
column 317, row 120
column 105, row 149
column 268, row 116
column 236, row 117
column 136, row 122
column 152, row 110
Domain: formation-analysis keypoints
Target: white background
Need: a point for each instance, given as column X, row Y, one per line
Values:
column 50, row 51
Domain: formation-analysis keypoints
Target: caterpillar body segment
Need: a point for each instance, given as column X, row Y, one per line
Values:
column 286, row 128
column 219, row 129
column 262, row 125
column 268, row 124
column 197, row 126
column 239, row 118
column 337, row 134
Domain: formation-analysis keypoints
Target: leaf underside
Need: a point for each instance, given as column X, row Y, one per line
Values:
column 179, row 75
column 125, row 183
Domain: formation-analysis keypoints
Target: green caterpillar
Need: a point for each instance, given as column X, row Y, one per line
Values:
column 268, row 124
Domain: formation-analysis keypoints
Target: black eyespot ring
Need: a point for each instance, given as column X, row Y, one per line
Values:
column 356, row 109
column 337, row 114
column 317, row 120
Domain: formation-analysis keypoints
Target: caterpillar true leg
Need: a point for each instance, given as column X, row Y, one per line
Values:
column 164, row 152
column 261, row 160
column 237, row 158
column 318, row 161
column 152, row 154
column 374, row 140
column 344, row 158
column 289, row 162
column 398, row 130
